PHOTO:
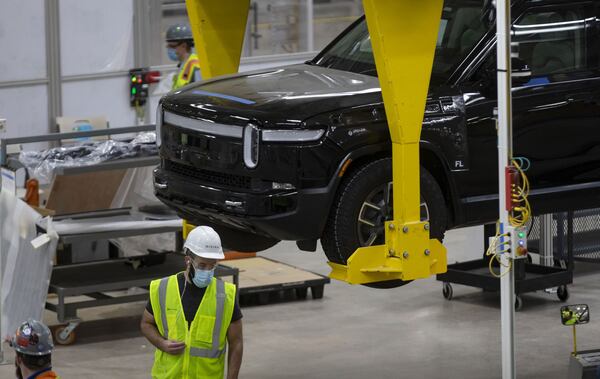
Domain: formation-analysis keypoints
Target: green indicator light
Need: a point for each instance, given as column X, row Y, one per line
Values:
column 133, row 91
column 521, row 235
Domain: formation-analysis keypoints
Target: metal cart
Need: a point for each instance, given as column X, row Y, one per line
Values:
column 95, row 280
column 529, row 277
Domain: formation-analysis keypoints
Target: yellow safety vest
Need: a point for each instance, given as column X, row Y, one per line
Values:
column 205, row 340
column 185, row 75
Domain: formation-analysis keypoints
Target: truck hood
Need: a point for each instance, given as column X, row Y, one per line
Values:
column 276, row 97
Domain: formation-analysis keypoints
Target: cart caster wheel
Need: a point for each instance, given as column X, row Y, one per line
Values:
column 518, row 303
column 61, row 340
column 447, row 291
column 563, row 293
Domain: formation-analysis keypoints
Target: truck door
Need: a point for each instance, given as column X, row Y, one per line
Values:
column 556, row 116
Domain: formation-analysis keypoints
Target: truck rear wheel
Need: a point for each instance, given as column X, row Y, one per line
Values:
column 364, row 204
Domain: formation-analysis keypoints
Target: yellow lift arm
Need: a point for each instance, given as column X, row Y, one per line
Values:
column 403, row 35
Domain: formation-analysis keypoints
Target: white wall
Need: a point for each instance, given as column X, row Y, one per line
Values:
column 23, row 57
column 97, row 37
column 22, row 40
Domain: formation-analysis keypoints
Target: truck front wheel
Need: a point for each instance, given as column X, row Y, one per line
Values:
column 364, row 204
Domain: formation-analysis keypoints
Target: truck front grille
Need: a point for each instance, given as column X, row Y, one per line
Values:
column 206, row 176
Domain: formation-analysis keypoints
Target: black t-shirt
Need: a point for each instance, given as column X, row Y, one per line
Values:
column 191, row 298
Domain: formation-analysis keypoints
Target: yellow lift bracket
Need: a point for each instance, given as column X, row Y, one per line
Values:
column 403, row 36
column 218, row 27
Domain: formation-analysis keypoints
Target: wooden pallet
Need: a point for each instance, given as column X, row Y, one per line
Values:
column 264, row 281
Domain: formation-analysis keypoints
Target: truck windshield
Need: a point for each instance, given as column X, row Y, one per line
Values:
column 463, row 24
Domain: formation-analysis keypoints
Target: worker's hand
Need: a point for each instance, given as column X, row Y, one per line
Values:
column 172, row 347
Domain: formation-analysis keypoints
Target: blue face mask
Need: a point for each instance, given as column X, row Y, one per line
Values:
column 202, row 278
column 172, row 54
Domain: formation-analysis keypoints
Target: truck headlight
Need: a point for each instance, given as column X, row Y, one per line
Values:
column 292, row 135
column 159, row 120
column 251, row 145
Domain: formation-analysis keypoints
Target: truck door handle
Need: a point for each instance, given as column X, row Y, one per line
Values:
column 586, row 98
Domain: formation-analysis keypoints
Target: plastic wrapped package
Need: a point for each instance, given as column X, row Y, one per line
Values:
column 136, row 246
column 25, row 270
column 41, row 164
column 137, row 191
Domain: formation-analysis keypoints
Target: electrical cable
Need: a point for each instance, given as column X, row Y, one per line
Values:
column 521, row 213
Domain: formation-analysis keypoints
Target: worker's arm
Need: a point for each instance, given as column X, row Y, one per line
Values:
column 236, row 349
column 150, row 331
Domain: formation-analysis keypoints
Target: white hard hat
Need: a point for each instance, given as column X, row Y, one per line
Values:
column 204, row 242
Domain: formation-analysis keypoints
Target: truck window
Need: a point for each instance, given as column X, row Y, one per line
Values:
column 552, row 42
column 462, row 25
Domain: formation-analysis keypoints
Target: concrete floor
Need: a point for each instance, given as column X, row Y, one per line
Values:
column 358, row 332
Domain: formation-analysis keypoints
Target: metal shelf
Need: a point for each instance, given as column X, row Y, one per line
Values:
column 110, row 165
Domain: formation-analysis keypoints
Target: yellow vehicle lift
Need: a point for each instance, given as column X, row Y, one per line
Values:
column 403, row 36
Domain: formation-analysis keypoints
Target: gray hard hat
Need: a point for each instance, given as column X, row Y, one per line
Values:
column 32, row 338
column 179, row 32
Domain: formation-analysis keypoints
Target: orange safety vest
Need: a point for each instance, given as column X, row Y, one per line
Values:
column 47, row 375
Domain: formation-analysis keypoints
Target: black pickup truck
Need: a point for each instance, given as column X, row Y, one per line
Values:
column 302, row 152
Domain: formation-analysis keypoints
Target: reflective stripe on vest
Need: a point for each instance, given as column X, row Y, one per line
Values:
column 162, row 300
column 189, row 65
column 184, row 76
column 215, row 352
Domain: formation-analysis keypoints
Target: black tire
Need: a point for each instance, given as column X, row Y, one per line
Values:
column 341, row 235
column 447, row 291
column 563, row 293
column 518, row 303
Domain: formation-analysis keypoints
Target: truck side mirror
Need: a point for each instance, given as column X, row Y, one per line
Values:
column 575, row 314
column 521, row 72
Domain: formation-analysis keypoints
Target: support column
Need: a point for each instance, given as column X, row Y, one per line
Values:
column 546, row 240
column 53, row 63
column 218, row 27
column 507, row 282
column 142, row 41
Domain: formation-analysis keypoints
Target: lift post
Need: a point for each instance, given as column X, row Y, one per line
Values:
column 403, row 34
column 218, row 27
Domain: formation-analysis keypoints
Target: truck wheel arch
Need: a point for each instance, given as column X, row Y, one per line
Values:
column 429, row 159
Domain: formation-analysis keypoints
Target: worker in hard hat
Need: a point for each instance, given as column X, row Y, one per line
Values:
column 33, row 346
column 191, row 316
column 179, row 49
